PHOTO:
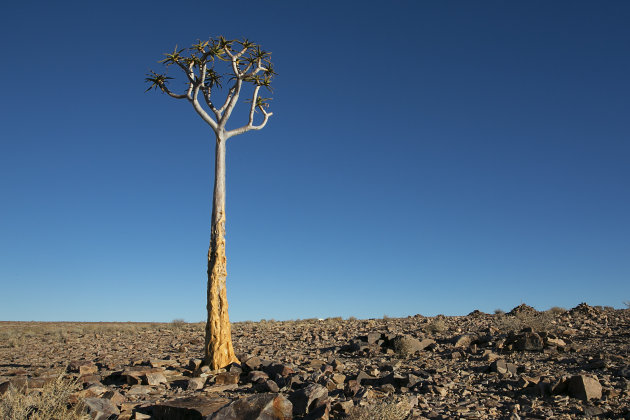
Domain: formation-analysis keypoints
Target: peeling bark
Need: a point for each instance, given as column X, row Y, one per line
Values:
column 218, row 349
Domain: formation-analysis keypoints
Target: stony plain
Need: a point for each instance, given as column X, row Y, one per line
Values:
column 524, row 364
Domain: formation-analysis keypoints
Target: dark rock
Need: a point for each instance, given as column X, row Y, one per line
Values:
column 320, row 412
column 226, row 378
column 194, row 364
column 253, row 363
column 279, row 370
column 154, row 378
column 373, row 337
column 100, row 408
column 624, row 372
column 464, row 340
column 526, row 341
column 584, row 387
column 303, row 399
column 591, row 411
column 256, row 407
column 406, row 346
column 82, row 367
column 503, row 367
column 343, row 407
column 256, row 375
column 523, row 309
column 196, row 383
column 190, row 408
column 267, row 386
column 365, row 379
column 115, row 397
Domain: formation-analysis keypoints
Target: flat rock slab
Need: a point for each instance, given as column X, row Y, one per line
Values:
column 584, row 387
column 101, row 408
column 191, row 408
column 257, row 407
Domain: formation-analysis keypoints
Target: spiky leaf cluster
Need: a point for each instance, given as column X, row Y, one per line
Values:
column 248, row 63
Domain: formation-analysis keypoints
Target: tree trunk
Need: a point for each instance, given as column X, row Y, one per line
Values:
column 218, row 350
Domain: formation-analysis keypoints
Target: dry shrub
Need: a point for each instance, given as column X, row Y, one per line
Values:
column 539, row 321
column 556, row 310
column 383, row 411
column 508, row 324
column 49, row 403
column 178, row 323
column 435, row 326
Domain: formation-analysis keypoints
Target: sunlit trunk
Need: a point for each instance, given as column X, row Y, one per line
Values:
column 218, row 350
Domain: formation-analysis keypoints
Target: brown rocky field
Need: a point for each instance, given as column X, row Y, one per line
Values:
column 523, row 364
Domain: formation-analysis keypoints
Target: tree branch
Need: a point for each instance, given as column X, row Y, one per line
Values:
column 171, row 94
column 206, row 91
column 231, row 102
column 202, row 113
column 248, row 127
column 252, row 109
column 227, row 99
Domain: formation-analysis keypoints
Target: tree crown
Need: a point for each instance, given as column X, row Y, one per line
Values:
column 248, row 63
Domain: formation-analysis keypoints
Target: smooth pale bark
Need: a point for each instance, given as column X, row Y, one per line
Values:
column 218, row 349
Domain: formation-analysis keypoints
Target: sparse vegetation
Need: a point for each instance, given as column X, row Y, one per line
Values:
column 499, row 311
column 556, row 310
column 51, row 403
column 627, row 303
column 436, row 326
column 335, row 319
column 178, row 323
column 538, row 321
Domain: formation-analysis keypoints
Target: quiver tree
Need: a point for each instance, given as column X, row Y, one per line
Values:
column 247, row 66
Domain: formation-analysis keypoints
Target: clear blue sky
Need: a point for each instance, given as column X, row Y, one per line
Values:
column 423, row 157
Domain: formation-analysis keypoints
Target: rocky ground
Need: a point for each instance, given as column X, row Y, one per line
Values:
column 524, row 364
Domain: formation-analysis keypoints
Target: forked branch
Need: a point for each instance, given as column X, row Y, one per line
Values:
column 247, row 64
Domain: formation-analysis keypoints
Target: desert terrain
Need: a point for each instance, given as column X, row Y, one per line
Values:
column 524, row 364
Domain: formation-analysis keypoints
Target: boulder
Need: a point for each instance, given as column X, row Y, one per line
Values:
column 256, row 407
column 226, row 378
column 502, row 367
column 196, row 383
column 584, row 387
column 305, row 400
column 190, row 408
column 154, row 378
column 407, row 346
column 100, row 408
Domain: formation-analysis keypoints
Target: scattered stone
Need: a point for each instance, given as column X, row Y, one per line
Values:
column 489, row 374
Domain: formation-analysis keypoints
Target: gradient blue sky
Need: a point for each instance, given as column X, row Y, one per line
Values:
column 423, row 157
